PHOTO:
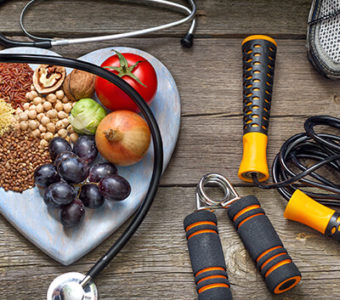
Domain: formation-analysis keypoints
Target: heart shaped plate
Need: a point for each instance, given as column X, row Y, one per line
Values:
column 27, row 211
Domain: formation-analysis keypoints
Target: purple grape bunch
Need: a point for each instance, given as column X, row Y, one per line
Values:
column 75, row 181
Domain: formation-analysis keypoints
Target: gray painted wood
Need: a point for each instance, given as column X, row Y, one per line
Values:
column 155, row 264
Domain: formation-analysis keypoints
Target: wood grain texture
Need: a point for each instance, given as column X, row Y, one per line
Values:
column 155, row 264
column 222, row 18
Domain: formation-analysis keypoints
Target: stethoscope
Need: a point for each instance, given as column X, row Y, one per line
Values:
column 186, row 41
column 76, row 286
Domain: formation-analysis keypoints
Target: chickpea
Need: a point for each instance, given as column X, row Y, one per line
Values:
column 40, row 108
column 18, row 111
column 65, row 100
column 32, row 107
column 50, row 127
column 68, row 138
column 60, row 94
column 42, row 128
column 26, row 106
column 23, row 125
column 33, row 124
column 48, row 136
column 32, row 114
column 37, row 100
column 45, row 120
column 23, row 116
column 51, row 98
column 30, row 95
column 34, row 94
column 62, row 115
column 47, row 106
column 36, row 133
column 40, row 116
column 59, row 106
column 70, row 129
column 43, row 143
column 59, row 125
column 66, row 122
column 67, row 107
column 62, row 133
column 74, row 137
column 52, row 114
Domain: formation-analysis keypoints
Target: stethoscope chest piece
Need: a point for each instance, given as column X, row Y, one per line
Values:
column 71, row 286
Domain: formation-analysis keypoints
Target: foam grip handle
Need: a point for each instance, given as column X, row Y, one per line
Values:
column 305, row 210
column 264, row 245
column 206, row 255
column 259, row 52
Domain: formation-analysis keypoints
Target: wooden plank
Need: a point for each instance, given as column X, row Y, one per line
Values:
column 155, row 264
column 216, row 18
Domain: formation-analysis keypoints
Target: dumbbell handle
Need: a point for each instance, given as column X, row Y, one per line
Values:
column 206, row 255
column 264, row 245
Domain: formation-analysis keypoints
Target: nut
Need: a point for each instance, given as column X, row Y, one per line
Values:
column 48, row 78
column 79, row 84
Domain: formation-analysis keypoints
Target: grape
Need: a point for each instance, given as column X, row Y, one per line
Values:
column 62, row 156
column 58, row 145
column 90, row 196
column 45, row 175
column 99, row 171
column 114, row 187
column 59, row 194
column 85, row 148
column 73, row 170
column 72, row 214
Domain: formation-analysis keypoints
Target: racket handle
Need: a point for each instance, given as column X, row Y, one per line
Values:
column 259, row 53
column 264, row 245
column 206, row 255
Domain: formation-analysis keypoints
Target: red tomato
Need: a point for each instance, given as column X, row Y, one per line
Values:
column 136, row 71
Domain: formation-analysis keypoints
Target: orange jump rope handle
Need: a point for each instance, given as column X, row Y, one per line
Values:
column 259, row 53
column 206, row 255
column 264, row 245
column 305, row 210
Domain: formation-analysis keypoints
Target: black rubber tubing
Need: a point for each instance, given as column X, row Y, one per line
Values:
column 150, row 119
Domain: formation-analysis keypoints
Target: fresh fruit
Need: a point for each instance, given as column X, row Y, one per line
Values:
column 85, row 148
column 45, row 175
column 72, row 214
column 99, row 171
column 136, row 71
column 59, row 194
column 90, row 196
column 123, row 137
column 73, row 170
column 57, row 146
column 114, row 187
column 62, row 156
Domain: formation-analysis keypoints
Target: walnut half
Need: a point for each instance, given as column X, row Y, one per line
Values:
column 48, row 78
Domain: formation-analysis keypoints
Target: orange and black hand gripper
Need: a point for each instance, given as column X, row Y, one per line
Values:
column 256, row 232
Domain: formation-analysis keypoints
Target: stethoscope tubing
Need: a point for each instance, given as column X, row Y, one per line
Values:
column 155, row 132
column 191, row 13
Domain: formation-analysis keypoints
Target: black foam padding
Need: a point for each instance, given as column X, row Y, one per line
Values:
column 218, row 293
column 200, row 216
column 269, row 255
column 282, row 274
column 246, row 215
column 206, row 255
column 332, row 229
column 258, row 77
column 260, row 238
column 237, row 206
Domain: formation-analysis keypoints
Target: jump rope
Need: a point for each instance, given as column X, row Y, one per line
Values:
column 291, row 168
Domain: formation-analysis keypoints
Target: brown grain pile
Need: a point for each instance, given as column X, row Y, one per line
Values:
column 15, row 82
column 20, row 155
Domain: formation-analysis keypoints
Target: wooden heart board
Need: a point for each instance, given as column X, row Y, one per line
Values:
column 27, row 211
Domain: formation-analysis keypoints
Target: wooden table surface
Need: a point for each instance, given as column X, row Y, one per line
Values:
column 155, row 263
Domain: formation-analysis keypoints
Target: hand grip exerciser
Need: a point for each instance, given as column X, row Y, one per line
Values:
column 256, row 232
column 305, row 210
column 259, row 53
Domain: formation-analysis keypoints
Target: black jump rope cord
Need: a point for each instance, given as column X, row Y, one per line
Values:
column 150, row 119
column 322, row 148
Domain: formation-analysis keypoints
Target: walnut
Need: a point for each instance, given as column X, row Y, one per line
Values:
column 48, row 78
column 79, row 84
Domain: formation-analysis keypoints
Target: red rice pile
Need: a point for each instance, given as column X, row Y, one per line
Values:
column 15, row 82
